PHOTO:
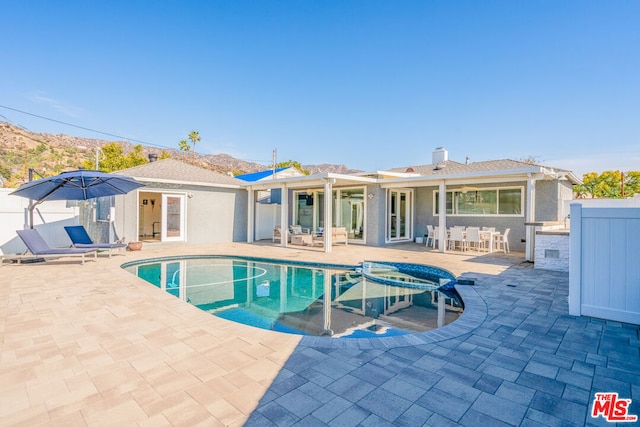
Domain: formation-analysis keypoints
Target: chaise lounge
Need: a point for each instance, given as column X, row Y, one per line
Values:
column 80, row 239
column 40, row 249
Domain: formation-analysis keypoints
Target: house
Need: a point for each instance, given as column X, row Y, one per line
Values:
column 186, row 203
column 182, row 203
column 396, row 205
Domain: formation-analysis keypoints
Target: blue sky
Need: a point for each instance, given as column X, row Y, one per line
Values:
column 369, row 84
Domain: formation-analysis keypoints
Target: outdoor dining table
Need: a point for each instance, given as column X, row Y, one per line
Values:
column 487, row 235
column 490, row 235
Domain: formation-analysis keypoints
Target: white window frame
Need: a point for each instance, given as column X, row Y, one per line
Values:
column 497, row 189
column 409, row 215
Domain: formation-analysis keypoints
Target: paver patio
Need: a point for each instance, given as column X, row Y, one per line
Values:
column 94, row 345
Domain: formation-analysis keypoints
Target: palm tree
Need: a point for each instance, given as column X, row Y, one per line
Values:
column 184, row 146
column 194, row 137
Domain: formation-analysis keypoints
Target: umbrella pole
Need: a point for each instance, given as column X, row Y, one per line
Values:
column 32, row 206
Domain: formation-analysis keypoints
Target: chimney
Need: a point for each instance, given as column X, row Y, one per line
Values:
column 152, row 157
column 440, row 155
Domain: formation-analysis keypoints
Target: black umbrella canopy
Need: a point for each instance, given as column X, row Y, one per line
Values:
column 77, row 185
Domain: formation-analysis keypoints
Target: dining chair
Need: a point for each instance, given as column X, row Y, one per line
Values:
column 429, row 234
column 456, row 238
column 436, row 236
column 502, row 241
column 473, row 237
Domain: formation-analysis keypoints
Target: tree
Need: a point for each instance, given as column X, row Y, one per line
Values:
column 115, row 159
column 194, row 137
column 529, row 159
column 293, row 163
column 164, row 155
column 609, row 184
column 184, row 145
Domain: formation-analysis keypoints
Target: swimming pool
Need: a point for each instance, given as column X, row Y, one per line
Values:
column 375, row 299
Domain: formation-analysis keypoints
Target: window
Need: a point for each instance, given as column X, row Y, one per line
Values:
column 103, row 208
column 497, row 201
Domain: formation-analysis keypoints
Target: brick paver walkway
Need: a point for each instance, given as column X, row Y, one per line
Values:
column 527, row 363
column 95, row 345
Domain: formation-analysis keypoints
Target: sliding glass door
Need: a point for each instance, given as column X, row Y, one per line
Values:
column 348, row 211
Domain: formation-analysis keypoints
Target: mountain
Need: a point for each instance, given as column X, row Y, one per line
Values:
column 50, row 154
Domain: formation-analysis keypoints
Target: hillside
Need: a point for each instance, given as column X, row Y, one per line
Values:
column 50, row 154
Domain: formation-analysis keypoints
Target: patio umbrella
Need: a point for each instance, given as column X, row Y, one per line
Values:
column 75, row 185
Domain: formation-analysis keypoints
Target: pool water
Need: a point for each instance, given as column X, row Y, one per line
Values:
column 306, row 299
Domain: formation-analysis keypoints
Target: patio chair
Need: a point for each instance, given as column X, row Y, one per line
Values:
column 277, row 234
column 456, row 238
column 436, row 234
column 40, row 249
column 473, row 238
column 338, row 235
column 430, row 235
column 502, row 241
column 80, row 239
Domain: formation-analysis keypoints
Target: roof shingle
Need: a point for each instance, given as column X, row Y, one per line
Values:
column 175, row 170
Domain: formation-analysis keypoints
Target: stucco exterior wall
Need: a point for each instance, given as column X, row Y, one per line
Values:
column 217, row 215
column 212, row 214
column 546, row 201
column 376, row 212
column 424, row 214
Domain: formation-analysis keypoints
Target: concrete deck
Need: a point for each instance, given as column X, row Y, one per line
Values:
column 93, row 345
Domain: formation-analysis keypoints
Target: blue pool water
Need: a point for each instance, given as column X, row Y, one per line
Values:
column 369, row 300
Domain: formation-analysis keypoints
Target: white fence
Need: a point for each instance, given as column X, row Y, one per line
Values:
column 604, row 271
column 267, row 216
column 48, row 217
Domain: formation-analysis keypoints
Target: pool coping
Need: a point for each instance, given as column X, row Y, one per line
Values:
column 475, row 312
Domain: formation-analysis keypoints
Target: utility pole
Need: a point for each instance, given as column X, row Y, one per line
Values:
column 275, row 154
column 622, row 179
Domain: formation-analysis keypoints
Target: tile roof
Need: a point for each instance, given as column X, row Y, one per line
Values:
column 175, row 170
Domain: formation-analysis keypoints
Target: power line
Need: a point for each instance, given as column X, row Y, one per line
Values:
column 102, row 133
column 84, row 128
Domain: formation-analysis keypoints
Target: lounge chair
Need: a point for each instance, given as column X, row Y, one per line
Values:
column 80, row 239
column 40, row 249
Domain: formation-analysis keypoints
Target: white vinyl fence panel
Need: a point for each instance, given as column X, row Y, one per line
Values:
column 267, row 217
column 604, row 272
column 49, row 218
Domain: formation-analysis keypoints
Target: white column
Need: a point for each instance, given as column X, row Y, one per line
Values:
column 442, row 217
column 284, row 216
column 251, row 210
column 529, row 217
column 328, row 215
